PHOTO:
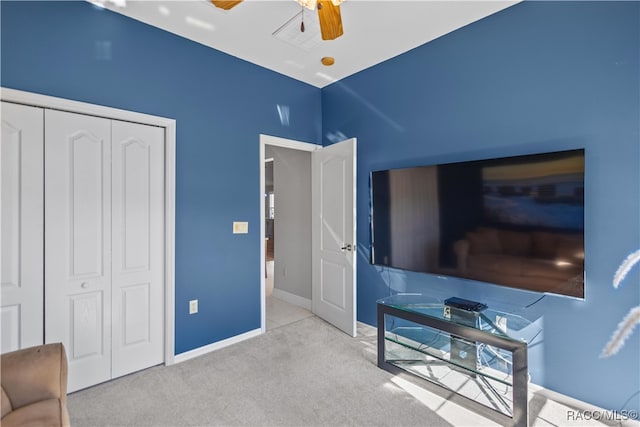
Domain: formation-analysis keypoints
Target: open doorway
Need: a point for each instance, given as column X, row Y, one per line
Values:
column 318, row 270
column 286, row 221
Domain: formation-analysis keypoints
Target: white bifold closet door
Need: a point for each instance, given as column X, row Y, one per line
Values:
column 137, row 262
column 104, row 228
column 21, row 153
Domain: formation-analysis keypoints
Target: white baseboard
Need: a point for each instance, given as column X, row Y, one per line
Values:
column 182, row 357
column 560, row 398
column 585, row 412
column 292, row 298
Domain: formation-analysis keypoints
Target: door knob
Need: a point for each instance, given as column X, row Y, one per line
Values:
column 346, row 247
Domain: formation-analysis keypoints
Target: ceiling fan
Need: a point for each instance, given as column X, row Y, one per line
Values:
column 328, row 14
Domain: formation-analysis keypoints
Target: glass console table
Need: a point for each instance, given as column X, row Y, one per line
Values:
column 479, row 355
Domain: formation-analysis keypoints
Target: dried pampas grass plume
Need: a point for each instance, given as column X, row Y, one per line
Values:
column 622, row 333
column 624, row 268
column 625, row 328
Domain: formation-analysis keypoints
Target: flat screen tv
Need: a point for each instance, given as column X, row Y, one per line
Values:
column 512, row 221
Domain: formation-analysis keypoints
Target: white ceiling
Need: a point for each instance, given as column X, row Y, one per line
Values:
column 374, row 31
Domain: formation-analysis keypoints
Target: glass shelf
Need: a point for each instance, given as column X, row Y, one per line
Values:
column 517, row 327
column 479, row 355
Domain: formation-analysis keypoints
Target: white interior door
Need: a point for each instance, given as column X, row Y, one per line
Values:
column 78, row 242
column 137, row 246
column 21, row 155
column 334, row 234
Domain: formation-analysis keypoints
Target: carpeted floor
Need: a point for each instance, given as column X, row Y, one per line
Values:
column 303, row 374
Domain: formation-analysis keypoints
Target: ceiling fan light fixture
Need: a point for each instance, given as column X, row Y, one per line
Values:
column 309, row 4
column 328, row 14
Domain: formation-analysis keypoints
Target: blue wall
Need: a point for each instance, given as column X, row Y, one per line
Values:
column 540, row 76
column 221, row 105
column 535, row 77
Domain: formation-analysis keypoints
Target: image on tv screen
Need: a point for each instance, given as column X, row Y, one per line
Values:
column 546, row 194
column 514, row 221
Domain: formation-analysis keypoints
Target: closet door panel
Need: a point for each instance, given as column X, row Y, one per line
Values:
column 78, row 243
column 138, row 246
column 21, row 154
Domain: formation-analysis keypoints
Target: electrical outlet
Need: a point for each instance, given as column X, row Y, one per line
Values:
column 501, row 322
column 193, row 306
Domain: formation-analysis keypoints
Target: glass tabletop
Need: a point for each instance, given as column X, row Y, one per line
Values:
column 500, row 323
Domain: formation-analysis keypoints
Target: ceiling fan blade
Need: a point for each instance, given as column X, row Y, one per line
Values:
column 226, row 5
column 330, row 20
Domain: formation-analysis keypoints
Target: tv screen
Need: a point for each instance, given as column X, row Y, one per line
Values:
column 512, row 221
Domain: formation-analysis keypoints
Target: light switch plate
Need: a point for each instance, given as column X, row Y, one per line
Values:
column 240, row 227
column 193, row 306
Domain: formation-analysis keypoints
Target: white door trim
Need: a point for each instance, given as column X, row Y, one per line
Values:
column 276, row 142
column 45, row 101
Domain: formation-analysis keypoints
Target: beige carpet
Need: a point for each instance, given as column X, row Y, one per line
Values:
column 303, row 374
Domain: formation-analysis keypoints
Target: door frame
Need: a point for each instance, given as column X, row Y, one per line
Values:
column 283, row 143
column 169, row 125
